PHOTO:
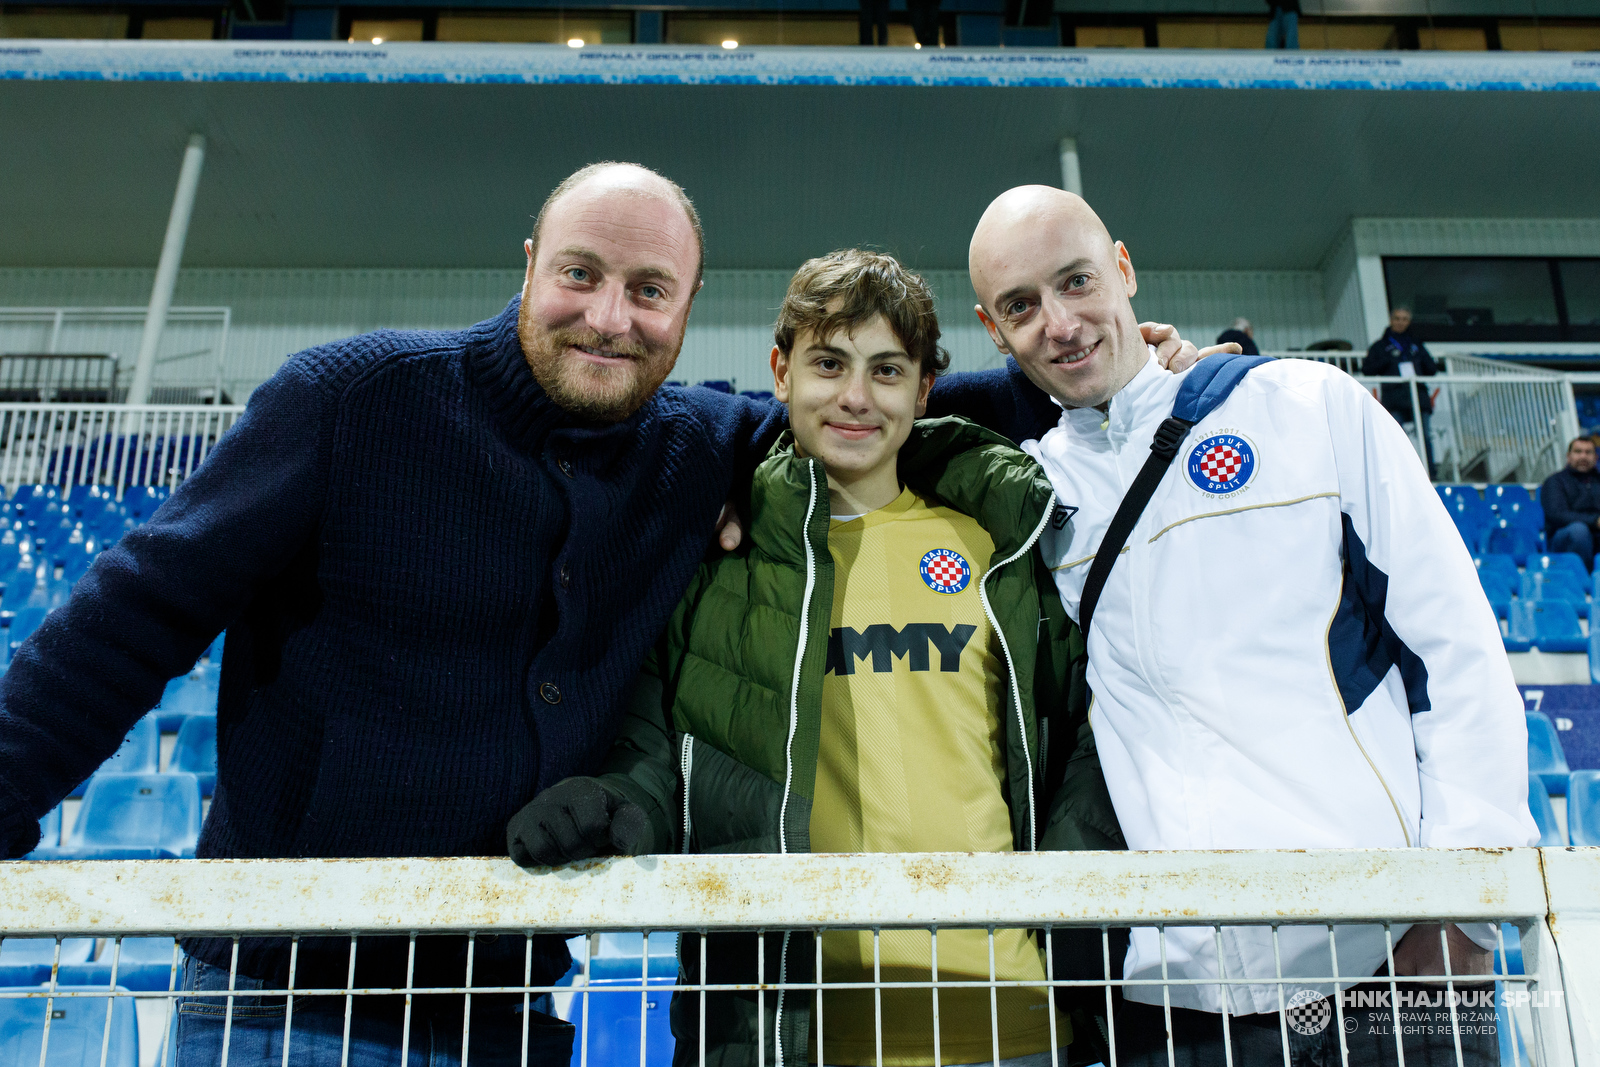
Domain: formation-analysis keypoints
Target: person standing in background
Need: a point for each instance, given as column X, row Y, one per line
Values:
column 924, row 21
column 875, row 13
column 1571, row 501
column 1398, row 354
column 1242, row 334
column 1284, row 29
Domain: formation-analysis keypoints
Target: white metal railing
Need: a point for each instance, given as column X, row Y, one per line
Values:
column 1550, row 1011
column 1491, row 421
column 104, row 444
column 199, row 335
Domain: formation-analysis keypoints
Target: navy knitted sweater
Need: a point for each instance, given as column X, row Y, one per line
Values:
column 436, row 586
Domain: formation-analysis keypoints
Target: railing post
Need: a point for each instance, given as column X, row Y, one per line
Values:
column 167, row 270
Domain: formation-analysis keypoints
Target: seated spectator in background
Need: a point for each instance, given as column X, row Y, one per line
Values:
column 937, row 659
column 1571, row 501
column 1242, row 334
column 1284, row 29
column 1398, row 354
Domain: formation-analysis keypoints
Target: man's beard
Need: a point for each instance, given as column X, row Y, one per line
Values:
column 593, row 391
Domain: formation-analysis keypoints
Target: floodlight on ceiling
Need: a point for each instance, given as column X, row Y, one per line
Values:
column 377, row 40
column 575, row 42
column 730, row 43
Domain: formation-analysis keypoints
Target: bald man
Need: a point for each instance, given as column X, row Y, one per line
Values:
column 1292, row 650
column 440, row 559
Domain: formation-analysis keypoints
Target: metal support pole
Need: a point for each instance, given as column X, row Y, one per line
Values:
column 1071, row 176
column 155, row 320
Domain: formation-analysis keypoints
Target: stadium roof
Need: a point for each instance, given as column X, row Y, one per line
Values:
column 437, row 155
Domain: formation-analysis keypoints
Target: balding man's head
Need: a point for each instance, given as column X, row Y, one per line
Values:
column 610, row 178
column 1054, row 291
column 613, row 266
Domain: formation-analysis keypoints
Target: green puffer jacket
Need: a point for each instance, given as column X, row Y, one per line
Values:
column 722, row 715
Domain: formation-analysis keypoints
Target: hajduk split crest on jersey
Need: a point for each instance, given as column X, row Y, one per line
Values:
column 1222, row 463
column 945, row 570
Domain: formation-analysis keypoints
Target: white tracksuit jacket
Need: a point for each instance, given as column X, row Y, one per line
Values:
column 1236, row 704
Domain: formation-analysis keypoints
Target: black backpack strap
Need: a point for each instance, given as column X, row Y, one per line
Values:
column 1168, row 437
column 1206, row 386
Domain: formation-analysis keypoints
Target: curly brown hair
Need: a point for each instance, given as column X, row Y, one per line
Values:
column 845, row 289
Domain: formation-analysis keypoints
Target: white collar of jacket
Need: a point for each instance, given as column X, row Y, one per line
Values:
column 1133, row 413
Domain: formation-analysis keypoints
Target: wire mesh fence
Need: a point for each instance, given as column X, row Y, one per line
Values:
column 1053, row 958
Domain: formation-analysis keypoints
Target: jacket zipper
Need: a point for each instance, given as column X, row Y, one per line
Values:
column 686, row 761
column 1011, row 667
column 788, row 746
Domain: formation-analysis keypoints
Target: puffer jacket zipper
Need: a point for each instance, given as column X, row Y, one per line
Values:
column 788, row 747
column 686, row 762
column 1011, row 667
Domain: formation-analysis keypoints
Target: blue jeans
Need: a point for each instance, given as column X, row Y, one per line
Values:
column 1575, row 537
column 317, row 1029
column 1284, row 29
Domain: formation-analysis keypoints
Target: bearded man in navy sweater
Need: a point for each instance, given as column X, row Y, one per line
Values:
column 438, row 573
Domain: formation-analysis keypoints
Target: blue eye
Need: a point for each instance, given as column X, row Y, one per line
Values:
column 651, row 292
column 578, row 274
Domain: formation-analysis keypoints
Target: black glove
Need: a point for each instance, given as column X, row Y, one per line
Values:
column 575, row 819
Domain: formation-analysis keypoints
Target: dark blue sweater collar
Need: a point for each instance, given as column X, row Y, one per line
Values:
column 524, row 411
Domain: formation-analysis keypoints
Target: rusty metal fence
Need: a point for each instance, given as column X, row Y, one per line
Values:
column 381, row 924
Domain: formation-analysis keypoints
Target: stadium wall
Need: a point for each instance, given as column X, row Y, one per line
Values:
column 278, row 312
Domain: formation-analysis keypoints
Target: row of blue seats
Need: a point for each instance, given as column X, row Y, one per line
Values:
column 1550, row 775
column 1542, row 603
column 194, row 752
column 143, row 963
column 1504, row 519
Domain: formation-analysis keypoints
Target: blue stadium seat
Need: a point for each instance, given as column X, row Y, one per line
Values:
column 213, row 654
column 1546, row 759
column 1512, row 939
column 196, row 751
column 614, row 1016
column 32, row 500
column 50, row 828
column 27, row 960
column 719, row 385
column 1583, row 808
column 137, row 816
column 1526, row 514
column 140, row 502
column 756, row 394
column 140, row 753
column 1554, row 585
column 1544, row 812
column 77, row 1030
column 1503, row 537
column 189, row 694
column 22, row 581
column 1549, row 625
column 23, row 622
column 145, row 965
column 1498, row 496
column 1562, row 563
column 1498, row 598
column 1499, row 569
